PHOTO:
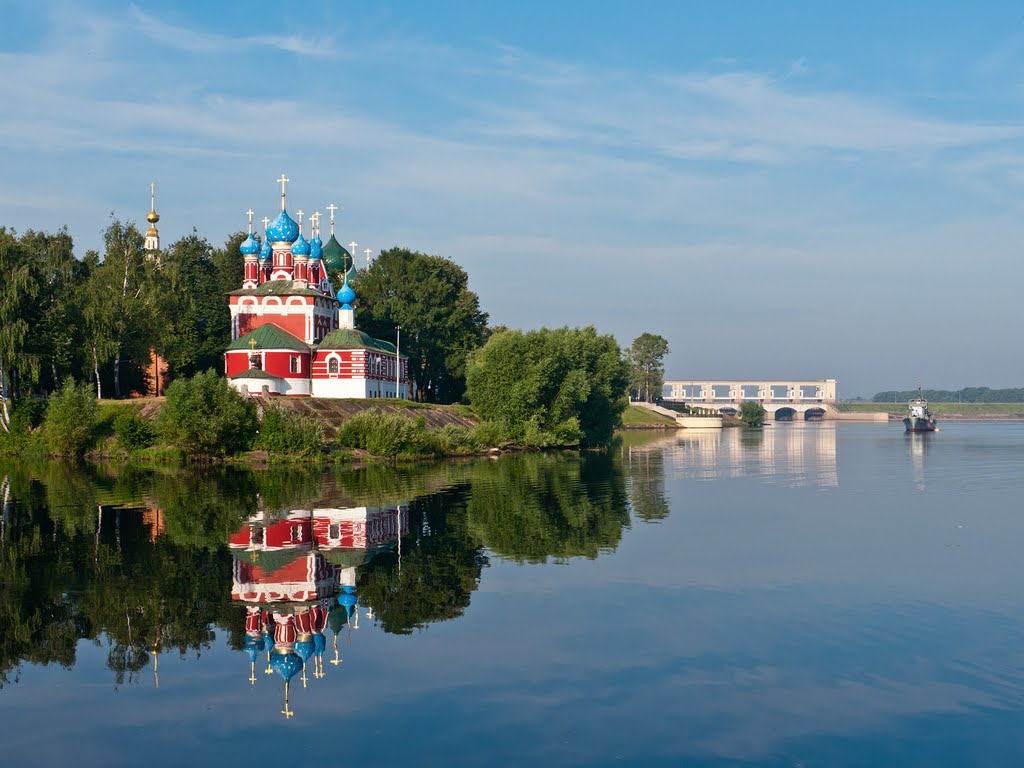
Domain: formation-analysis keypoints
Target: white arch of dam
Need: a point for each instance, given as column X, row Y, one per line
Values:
column 778, row 396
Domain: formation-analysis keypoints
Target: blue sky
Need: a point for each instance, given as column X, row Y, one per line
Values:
column 780, row 189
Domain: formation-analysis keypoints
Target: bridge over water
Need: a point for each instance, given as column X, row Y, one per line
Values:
column 783, row 399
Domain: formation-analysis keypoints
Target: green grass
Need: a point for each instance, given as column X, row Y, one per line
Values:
column 635, row 416
column 966, row 409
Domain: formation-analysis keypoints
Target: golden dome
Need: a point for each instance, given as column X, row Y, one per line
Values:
column 152, row 217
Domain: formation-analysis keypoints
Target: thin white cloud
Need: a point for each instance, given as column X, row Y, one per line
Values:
column 200, row 41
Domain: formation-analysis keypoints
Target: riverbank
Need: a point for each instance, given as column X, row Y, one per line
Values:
column 950, row 412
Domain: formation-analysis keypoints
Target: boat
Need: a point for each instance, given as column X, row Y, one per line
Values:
column 919, row 418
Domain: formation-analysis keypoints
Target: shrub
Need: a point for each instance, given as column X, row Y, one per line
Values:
column 206, row 416
column 387, row 434
column 132, row 431
column 455, row 438
column 71, row 418
column 291, row 433
column 490, row 434
column 752, row 413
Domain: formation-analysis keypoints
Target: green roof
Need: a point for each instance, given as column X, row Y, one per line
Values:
column 353, row 338
column 269, row 560
column 278, row 288
column 255, row 373
column 269, row 336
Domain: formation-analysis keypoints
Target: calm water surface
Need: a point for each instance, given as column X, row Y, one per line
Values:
column 807, row 595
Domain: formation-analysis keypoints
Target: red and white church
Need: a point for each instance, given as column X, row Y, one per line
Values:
column 290, row 335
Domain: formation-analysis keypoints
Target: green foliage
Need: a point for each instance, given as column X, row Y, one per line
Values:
column 290, row 433
column 530, row 508
column 441, row 319
column 195, row 325
column 646, row 369
column 438, row 572
column 490, row 434
column 550, row 387
column 132, row 431
column 206, row 416
column 70, row 418
column 752, row 413
column 387, row 434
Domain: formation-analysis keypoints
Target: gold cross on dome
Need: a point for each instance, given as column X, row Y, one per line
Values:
column 252, row 344
column 282, row 181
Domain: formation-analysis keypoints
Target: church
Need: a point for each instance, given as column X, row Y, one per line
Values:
column 290, row 334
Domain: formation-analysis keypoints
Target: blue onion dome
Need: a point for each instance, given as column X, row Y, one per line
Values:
column 346, row 295
column 283, row 230
column 300, row 247
column 316, row 248
column 347, row 600
column 304, row 648
column 250, row 246
column 319, row 643
column 266, row 252
column 286, row 664
column 253, row 645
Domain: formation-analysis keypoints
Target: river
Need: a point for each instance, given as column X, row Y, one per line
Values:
column 801, row 595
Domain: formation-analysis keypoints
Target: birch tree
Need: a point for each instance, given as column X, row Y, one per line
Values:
column 18, row 290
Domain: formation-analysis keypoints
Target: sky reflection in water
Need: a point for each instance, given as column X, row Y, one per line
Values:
column 805, row 595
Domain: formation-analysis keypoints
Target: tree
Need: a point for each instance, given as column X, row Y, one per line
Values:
column 18, row 289
column 647, row 372
column 752, row 413
column 120, row 304
column 70, row 418
column 206, row 416
column 441, row 320
column 548, row 387
column 56, row 321
column 194, row 320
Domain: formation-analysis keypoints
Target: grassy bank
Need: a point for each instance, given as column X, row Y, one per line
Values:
column 635, row 417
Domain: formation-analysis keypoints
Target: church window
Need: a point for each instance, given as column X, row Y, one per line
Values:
column 296, row 365
column 332, row 365
column 334, row 532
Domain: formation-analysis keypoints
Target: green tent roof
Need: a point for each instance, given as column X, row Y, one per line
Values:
column 277, row 288
column 353, row 338
column 269, row 560
column 269, row 336
column 255, row 373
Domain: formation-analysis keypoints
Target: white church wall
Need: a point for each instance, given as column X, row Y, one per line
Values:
column 339, row 388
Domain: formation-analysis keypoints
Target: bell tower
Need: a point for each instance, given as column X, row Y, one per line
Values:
column 152, row 244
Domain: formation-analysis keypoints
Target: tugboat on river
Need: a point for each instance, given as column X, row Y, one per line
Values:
column 919, row 418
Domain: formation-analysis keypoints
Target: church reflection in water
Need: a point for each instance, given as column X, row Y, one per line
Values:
column 295, row 572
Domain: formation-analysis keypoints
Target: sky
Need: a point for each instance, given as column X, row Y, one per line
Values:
column 781, row 190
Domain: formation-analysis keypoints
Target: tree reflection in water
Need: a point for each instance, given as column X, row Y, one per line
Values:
column 149, row 561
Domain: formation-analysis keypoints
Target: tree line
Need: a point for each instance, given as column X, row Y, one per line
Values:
column 965, row 395
column 97, row 318
column 100, row 318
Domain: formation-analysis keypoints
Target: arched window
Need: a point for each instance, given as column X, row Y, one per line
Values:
column 332, row 365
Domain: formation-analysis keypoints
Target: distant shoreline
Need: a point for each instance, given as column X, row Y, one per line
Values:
column 944, row 412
